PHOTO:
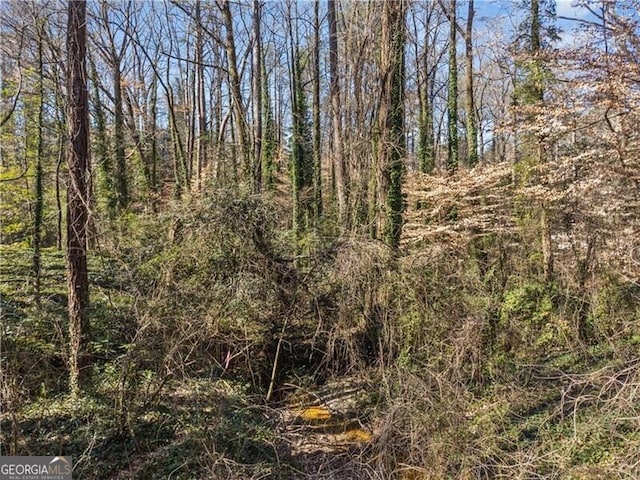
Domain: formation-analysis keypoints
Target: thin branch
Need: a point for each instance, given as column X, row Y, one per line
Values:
column 6, row 118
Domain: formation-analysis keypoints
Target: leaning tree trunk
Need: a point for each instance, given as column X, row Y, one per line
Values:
column 235, row 85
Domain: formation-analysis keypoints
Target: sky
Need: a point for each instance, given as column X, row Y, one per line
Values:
column 507, row 9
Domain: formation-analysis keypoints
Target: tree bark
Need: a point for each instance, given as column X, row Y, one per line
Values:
column 471, row 121
column 77, row 195
column 39, row 191
column 317, row 158
column 391, row 143
column 538, row 99
column 257, row 97
column 102, row 148
column 235, row 85
column 341, row 173
column 426, row 142
column 452, row 94
column 114, row 56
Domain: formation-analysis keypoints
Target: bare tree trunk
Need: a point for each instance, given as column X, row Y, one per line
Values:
column 39, row 200
column 153, row 180
column 317, row 158
column 114, row 56
column 452, row 93
column 201, row 146
column 234, row 80
column 538, row 99
column 426, row 147
column 471, row 121
column 102, row 148
column 189, row 94
column 61, row 154
column 77, row 195
column 547, row 249
column 257, row 97
column 341, row 173
column 122, row 193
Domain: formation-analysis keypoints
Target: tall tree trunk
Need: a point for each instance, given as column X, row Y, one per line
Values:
column 340, row 169
column 536, row 50
column 471, row 120
column 39, row 191
column 538, row 100
column 217, row 122
column 114, row 55
column 122, row 190
column 201, row 146
column 153, row 180
column 61, row 155
column 426, row 141
column 257, row 97
column 391, row 143
column 179, row 162
column 317, row 159
column 77, row 194
column 235, row 85
column 61, row 126
column 301, row 166
column 269, row 137
column 452, row 93
column 190, row 100
column 102, row 150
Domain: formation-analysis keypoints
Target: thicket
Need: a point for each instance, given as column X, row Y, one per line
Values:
column 208, row 318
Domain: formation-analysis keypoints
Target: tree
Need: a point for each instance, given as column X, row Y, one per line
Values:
column 269, row 146
column 114, row 53
column 530, row 97
column 39, row 189
column 236, row 87
column 317, row 154
column 257, row 96
column 301, row 138
column 339, row 164
column 77, row 193
column 452, row 93
column 470, row 107
column 426, row 72
column 536, row 91
column 391, row 143
column 102, row 146
column 201, row 145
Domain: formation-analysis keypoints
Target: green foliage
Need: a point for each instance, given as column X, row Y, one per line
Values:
column 269, row 138
column 530, row 303
column 426, row 154
column 615, row 311
column 301, row 153
column 529, row 321
column 244, row 436
column 203, row 291
column 15, row 194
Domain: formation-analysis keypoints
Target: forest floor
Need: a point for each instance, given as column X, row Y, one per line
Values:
column 177, row 393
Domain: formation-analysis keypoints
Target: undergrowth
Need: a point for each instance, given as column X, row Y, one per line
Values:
column 477, row 367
